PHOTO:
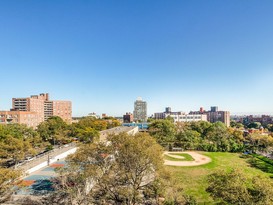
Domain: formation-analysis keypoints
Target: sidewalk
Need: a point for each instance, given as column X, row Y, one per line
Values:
column 48, row 155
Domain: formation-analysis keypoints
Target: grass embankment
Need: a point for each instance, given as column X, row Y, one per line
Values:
column 193, row 179
column 186, row 157
column 261, row 162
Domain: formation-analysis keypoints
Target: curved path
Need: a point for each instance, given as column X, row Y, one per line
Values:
column 199, row 159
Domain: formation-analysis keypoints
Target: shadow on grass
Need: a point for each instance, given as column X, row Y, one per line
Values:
column 262, row 163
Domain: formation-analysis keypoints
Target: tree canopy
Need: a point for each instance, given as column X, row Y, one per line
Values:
column 125, row 171
column 235, row 187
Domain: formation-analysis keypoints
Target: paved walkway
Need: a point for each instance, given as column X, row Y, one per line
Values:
column 199, row 159
column 51, row 154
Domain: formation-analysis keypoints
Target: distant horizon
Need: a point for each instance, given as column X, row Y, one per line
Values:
column 102, row 55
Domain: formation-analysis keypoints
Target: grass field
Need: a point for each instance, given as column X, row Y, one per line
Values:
column 261, row 162
column 193, row 179
column 187, row 157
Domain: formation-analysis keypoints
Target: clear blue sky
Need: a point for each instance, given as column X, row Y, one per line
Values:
column 102, row 55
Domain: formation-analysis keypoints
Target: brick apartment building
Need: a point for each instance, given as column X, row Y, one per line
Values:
column 20, row 117
column 214, row 115
column 128, row 117
column 35, row 109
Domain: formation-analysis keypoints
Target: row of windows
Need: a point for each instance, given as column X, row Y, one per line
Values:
column 186, row 117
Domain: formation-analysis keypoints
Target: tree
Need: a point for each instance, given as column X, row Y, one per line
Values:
column 200, row 126
column 51, row 127
column 15, row 149
column 188, row 139
column 270, row 127
column 229, row 186
column 255, row 125
column 19, row 131
column 237, row 125
column 87, row 134
column 126, row 171
column 97, row 124
column 7, row 178
column 259, row 142
column 163, row 131
column 235, row 187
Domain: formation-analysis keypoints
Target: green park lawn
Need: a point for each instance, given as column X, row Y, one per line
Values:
column 193, row 179
column 187, row 157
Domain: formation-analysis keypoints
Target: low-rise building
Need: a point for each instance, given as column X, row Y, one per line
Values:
column 128, row 118
column 180, row 116
column 117, row 130
column 189, row 117
column 31, row 119
column 160, row 115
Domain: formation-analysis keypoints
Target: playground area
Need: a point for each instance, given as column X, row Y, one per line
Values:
column 39, row 182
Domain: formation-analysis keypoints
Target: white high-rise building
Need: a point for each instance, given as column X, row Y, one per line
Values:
column 140, row 110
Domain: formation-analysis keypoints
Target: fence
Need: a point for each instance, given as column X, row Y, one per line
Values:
column 26, row 165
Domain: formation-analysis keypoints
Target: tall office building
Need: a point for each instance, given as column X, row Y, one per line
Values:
column 140, row 110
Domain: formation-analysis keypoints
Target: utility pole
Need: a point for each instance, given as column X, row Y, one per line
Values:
column 48, row 159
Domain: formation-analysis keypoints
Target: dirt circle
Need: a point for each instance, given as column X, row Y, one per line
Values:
column 199, row 159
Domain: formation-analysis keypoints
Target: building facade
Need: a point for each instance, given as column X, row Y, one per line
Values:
column 128, row 118
column 214, row 115
column 263, row 119
column 219, row 116
column 189, row 117
column 180, row 116
column 44, row 107
column 160, row 115
column 34, row 103
column 140, row 110
column 31, row 119
column 60, row 108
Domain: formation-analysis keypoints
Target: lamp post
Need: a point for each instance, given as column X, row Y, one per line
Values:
column 48, row 159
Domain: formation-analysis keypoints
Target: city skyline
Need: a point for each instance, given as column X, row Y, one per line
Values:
column 149, row 114
column 103, row 55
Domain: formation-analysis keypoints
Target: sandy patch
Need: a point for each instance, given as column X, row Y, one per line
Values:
column 199, row 159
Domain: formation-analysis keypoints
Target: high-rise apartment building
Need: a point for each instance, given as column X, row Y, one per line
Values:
column 219, row 116
column 35, row 103
column 168, row 110
column 58, row 108
column 213, row 109
column 44, row 107
column 140, row 110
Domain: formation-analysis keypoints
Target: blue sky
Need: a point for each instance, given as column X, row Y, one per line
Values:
column 102, row 55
